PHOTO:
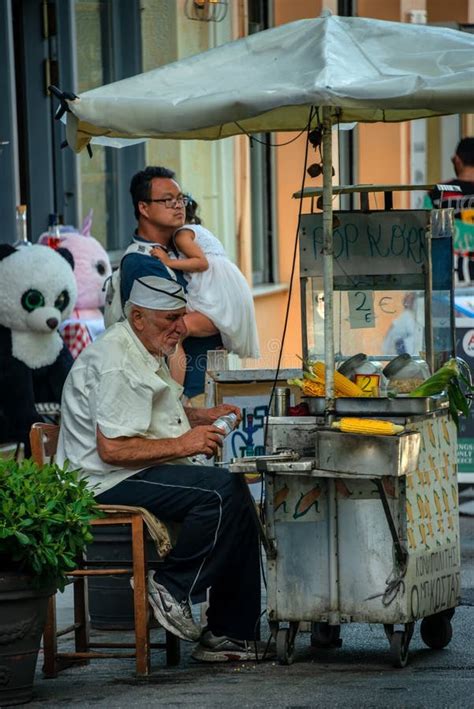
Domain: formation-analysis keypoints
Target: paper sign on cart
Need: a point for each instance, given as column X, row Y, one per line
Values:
column 361, row 309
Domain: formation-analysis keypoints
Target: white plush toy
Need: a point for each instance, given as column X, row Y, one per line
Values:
column 37, row 292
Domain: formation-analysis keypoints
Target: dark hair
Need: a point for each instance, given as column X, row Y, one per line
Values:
column 465, row 151
column 140, row 184
column 191, row 209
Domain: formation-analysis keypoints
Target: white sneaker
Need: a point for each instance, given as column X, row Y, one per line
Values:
column 213, row 648
column 173, row 616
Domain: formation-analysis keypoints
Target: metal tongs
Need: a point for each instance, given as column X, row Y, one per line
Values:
column 281, row 455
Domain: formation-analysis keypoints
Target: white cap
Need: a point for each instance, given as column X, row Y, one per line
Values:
column 157, row 293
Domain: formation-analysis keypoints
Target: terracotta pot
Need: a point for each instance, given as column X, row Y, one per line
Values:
column 22, row 618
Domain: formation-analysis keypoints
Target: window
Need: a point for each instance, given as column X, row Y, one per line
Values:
column 75, row 45
column 108, row 41
column 262, row 179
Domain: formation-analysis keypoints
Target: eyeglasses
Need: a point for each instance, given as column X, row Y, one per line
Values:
column 171, row 202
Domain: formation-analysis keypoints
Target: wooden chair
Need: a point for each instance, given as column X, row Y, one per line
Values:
column 44, row 440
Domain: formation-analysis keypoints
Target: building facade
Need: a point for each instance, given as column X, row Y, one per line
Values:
column 244, row 187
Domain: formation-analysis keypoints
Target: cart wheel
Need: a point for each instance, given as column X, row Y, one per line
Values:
column 285, row 649
column 436, row 631
column 399, row 648
column 324, row 635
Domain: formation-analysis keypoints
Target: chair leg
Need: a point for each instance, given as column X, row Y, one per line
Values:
column 173, row 649
column 50, row 644
column 81, row 616
column 140, row 597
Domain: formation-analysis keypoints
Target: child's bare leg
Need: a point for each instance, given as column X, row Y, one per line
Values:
column 177, row 364
column 199, row 325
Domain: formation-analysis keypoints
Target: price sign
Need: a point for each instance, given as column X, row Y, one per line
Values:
column 370, row 383
column 361, row 309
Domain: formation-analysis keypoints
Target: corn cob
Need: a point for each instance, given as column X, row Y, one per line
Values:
column 342, row 385
column 439, row 381
column 369, row 427
column 309, row 387
column 312, row 388
column 313, row 377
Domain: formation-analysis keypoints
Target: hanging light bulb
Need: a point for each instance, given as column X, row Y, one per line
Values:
column 206, row 10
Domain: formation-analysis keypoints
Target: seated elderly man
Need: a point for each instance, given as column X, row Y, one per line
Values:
column 124, row 427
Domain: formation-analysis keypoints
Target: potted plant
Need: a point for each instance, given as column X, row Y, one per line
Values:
column 45, row 514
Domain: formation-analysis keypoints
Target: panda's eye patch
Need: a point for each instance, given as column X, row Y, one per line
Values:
column 32, row 299
column 101, row 269
column 62, row 301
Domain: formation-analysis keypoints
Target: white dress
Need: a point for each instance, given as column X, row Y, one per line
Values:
column 223, row 295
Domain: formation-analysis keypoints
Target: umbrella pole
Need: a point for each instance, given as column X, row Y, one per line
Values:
column 328, row 264
column 328, row 281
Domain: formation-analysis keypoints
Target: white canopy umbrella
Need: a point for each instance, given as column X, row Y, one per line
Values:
column 363, row 69
column 353, row 69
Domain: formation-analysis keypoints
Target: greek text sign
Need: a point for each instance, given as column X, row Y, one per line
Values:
column 437, row 583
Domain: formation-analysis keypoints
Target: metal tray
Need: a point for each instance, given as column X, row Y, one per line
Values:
column 370, row 456
column 382, row 406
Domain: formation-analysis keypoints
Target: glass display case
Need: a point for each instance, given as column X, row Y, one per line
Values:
column 393, row 286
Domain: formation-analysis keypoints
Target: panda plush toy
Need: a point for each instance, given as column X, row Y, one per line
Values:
column 37, row 292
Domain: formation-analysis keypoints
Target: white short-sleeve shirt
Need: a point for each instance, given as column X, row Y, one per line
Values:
column 118, row 385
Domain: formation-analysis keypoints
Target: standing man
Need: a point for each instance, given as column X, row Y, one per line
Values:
column 160, row 209
column 463, row 163
column 463, row 204
column 123, row 426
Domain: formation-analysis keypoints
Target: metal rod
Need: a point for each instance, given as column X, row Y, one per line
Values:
column 400, row 552
column 328, row 272
column 428, row 303
column 333, row 552
column 304, row 315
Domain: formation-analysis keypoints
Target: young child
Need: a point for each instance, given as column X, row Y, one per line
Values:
column 219, row 298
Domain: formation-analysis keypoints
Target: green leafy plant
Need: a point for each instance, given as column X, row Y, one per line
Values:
column 45, row 514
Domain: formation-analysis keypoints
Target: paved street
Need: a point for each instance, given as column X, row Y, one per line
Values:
column 357, row 675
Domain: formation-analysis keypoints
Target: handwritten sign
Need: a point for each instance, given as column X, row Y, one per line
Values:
column 361, row 309
column 374, row 243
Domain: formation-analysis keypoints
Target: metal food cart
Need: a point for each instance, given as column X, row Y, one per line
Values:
column 364, row 528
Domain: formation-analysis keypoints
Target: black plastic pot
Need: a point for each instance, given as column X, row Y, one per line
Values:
column 111, row 597
column 22, row 618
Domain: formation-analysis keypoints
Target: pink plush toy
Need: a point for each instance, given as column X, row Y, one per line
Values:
column 91, row 269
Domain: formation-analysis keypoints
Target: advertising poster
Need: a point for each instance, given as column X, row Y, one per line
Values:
column 247, row 439
column 465, row 349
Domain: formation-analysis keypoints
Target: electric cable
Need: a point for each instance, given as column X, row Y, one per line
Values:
column 267, row 142
column 290, row 288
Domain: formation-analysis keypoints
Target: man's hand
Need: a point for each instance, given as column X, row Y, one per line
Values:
column 201, row 439
column 199, row 416
column 223, row 410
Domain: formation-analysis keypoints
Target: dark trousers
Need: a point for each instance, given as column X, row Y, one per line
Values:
column 217, row 546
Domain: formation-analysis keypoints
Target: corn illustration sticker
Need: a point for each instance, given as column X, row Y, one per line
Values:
column 303, row 500
column 280, row 498
column 431, row 493
column 306, row 502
